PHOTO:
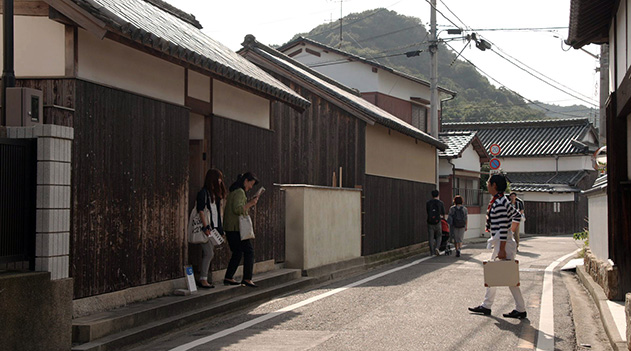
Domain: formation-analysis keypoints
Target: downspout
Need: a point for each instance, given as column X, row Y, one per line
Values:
column 8, row 74
column 556, row 173
column 453, row 176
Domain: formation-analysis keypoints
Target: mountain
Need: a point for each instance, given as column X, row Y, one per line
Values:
column 386, row 36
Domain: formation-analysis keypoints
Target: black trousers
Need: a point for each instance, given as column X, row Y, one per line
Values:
column 240, row 248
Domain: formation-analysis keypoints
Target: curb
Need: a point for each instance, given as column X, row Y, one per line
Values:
column 598, row 295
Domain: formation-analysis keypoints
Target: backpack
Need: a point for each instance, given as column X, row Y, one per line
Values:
column 458, row 219
column 433, row 215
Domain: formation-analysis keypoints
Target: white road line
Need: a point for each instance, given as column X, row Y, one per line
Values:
column 281, row 311
column 545, row 337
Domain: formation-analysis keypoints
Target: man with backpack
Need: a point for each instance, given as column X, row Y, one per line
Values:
column 435, row 211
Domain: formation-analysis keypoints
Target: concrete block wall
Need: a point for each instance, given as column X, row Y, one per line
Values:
column 54, row 156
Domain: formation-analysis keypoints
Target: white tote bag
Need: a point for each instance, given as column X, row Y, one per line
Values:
column 245, row 227
column 196, row 233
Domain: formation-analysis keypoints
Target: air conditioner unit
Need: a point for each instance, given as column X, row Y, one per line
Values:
column 24, row 107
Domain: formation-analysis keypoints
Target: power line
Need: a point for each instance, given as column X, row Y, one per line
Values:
column 542, row 80
column 442, row 14
column 514, row 92
column 516, row 29
column 458, row 18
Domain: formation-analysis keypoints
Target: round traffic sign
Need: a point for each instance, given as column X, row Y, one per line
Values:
column 495, row 149
column 494, row 163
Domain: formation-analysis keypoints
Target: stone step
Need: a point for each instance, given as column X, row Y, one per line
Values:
column 114, row 329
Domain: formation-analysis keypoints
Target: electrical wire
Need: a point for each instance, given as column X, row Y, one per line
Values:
column 543, row 80
column 458, row 18
column 507, row 88
column 442, row 14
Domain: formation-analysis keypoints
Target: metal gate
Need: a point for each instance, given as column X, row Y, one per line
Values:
column 18, row 175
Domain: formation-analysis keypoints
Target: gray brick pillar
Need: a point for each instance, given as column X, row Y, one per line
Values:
column 54, row 150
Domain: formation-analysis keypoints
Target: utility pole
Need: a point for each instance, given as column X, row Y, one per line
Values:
column 433, row 79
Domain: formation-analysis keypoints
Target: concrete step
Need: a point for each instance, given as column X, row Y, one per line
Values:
column 116, row 329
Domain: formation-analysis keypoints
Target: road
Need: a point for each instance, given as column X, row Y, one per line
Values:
column 416, row 304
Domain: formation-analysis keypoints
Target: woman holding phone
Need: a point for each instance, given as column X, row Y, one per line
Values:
column 237, row 205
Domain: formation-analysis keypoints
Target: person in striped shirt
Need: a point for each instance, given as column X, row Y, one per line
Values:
column 502, row 219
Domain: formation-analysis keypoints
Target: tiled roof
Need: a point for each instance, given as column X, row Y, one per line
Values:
column 164, row 28
column 531, row 138
column 352, row 99
column 298, row 40
column 546, row 181
column 457, row 142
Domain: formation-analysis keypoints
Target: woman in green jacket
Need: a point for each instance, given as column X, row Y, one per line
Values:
column 237, row 205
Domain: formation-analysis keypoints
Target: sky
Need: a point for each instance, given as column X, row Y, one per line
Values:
column 536, row 51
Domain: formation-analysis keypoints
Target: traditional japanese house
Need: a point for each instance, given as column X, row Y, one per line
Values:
column 392, row 161
column 547, row 163
column 459, row 170
column 606, row 23
column 152, row 100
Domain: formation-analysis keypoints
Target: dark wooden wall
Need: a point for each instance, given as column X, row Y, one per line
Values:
column 129, row 190
column 395, row 214
column 541, row 218
column 618, row 183
column 315, row 144
column 59, row 98
column 237, row 148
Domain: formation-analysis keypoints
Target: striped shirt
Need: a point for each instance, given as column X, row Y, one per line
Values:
column 500, row 216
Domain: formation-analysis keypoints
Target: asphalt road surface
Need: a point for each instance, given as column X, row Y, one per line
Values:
column 416, row 304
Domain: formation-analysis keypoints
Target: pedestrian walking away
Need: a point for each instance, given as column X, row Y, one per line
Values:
column 237, row 205
column 435, row 211
column 458, row 219
column 501, row 220
column 210, row 197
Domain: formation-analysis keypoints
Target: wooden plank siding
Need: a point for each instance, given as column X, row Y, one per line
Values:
column 395, row 214
column 129, row 190
column 59, row 98
column 542, row 220
column 237, row 148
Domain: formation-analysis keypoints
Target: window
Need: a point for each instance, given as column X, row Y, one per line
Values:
column 556, row 207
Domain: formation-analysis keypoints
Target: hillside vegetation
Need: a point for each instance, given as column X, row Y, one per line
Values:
column 386, row 36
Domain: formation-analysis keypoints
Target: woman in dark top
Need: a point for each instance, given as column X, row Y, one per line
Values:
column 210, row 197
column 237, row 205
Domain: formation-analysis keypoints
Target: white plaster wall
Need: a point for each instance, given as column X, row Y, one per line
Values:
column 113, row 64
column 598, row 227
column 239, row 105
column 198, row 86
column 402, row 88
column 475, row 227
column 612, row 53
column 352, row 74
column 469, row 161
column 39, row 47
column 545, row 164
column 196, row 127
column 310, row 240
column 444, row 168
column 398, row 156
column 547, row 197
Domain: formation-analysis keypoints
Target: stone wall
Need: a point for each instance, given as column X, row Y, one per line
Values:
column 604, row 274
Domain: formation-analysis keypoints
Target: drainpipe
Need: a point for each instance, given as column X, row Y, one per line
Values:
column 453, row 176
column 556, row 173
column 8, row 74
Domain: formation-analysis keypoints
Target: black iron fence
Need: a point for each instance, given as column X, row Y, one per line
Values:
column 18, row 175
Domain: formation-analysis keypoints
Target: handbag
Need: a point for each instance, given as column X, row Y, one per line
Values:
column 501, row 273
column 245, row 227
column 196, row 233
